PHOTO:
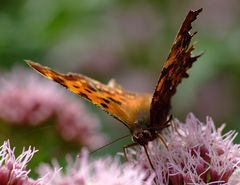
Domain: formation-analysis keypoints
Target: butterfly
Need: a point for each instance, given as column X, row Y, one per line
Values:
column 145, row 115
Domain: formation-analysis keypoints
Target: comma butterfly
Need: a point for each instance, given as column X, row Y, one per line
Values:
column 145, row 115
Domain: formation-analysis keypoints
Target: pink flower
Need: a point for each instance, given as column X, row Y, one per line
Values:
column 197, row 153
column 99, row 172
column 13, row 170
column 77, row 125
column 28, row 99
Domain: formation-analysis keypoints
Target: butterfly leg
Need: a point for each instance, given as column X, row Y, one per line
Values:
column 162, row 140
column 125, row 147
column 147, row 154
column 145, row 149
column 160, row 136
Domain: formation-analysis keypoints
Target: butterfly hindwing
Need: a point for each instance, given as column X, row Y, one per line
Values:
column 180, row 59
column 123, row 105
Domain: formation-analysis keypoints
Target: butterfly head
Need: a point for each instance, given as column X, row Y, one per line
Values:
column 143, row 135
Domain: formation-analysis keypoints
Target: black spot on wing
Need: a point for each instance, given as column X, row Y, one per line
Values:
column 58, row 80
column 88, row 90
column 115, row 101
column 76, row 86
column 106, row 100
column 104, row 105
column 84, row 96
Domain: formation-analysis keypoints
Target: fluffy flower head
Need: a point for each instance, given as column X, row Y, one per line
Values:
column 197, row 153
column 102, row 171
column 13, row 170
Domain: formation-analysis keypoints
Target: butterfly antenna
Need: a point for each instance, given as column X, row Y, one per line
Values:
column 116, row 140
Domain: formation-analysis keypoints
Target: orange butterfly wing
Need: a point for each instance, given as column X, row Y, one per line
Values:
column 174, row 70
column 123, row 105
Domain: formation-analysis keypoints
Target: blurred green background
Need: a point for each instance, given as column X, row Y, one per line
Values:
column 129, row 41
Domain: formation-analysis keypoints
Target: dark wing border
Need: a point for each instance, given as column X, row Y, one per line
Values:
column 180, row 59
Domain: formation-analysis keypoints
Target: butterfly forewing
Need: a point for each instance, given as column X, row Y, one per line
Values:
column 123, row 105
column 180, row 59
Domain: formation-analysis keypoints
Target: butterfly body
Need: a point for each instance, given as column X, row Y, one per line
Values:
column 145, row 115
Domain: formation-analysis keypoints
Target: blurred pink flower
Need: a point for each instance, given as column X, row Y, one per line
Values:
column 77, row 125
column 102, row 171
column 197, row 153
column 13, row 170
column 28, row 99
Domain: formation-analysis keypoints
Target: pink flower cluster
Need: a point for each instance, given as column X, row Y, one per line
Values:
column 28, row 99
column 197, row 153
column 106, row 171
column 13, row 170
column 80, row 172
